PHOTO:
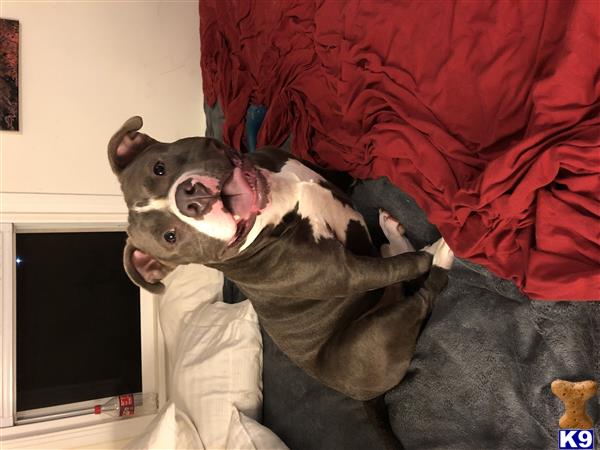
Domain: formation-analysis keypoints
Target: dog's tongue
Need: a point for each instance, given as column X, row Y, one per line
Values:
column 237, row 195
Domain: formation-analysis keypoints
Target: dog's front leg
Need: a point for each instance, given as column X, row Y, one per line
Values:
column 365, row 273
column 299, row 272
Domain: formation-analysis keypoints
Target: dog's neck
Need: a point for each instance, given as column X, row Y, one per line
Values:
column 296, row 187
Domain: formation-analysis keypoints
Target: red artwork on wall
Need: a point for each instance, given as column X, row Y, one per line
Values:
column 9, row 69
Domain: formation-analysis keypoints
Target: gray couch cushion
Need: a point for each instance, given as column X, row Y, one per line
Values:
column 307, row 415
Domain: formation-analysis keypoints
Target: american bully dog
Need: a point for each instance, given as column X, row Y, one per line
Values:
column 291, row 241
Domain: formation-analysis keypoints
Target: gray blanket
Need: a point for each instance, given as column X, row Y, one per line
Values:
column 480, row 378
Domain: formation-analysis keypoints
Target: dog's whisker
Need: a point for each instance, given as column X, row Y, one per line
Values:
column 206, row 196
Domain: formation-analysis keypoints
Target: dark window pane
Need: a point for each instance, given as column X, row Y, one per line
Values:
column 78, row 319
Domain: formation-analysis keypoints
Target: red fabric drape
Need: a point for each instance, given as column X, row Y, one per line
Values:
column 486, row 113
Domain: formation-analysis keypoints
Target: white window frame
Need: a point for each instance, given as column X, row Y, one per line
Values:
column 25, row 212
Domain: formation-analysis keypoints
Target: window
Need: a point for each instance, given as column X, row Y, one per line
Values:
column 77, row 320
column 29, row 383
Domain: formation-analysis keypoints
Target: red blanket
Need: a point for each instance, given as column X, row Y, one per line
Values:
column 487, row 113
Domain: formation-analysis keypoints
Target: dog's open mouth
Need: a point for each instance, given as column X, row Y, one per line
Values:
column 239, row 194
column 243, row 195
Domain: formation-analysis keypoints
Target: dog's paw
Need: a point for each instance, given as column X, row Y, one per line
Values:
column 392, row 228
column 443, row 256
column 394, row 232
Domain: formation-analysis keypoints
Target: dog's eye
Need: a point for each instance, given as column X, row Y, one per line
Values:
column 160, row 169
column 170, row 237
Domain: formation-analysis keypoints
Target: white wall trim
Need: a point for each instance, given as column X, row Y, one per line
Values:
column 33, row 212
column 153, row 347
column 7, row 318
column 22, row 207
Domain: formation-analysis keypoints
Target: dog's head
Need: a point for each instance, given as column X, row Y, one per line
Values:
column 190, row 201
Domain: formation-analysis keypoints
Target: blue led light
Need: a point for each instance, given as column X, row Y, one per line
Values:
column 19, row 261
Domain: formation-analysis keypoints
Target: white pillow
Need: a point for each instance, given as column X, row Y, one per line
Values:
column 214, row 363
column 171, row 429
column 187, row 287
column 217, row 364
column 247, row 434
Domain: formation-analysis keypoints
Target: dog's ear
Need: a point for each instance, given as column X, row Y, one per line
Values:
column 126, row 144
column 144, row 270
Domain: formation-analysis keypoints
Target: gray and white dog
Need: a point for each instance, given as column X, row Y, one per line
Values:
column 291, row 241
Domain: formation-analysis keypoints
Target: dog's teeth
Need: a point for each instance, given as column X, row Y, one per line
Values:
column 236, row 217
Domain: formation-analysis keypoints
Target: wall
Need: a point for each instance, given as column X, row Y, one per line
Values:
column 85, row 67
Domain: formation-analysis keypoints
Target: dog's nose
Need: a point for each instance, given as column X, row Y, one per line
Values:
column 193, row 199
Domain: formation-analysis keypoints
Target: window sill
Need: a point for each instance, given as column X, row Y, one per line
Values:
column 75, row 432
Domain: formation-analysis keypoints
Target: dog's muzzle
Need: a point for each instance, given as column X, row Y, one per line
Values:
column 193, row 199
column 237, row 195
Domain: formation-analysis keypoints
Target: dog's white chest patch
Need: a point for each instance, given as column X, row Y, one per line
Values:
column 327, row 216
column 297, row 184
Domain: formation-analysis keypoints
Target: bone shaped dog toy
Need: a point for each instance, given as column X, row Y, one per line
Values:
column 574, row 396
